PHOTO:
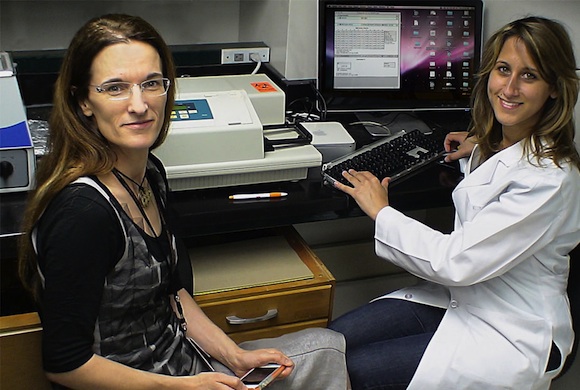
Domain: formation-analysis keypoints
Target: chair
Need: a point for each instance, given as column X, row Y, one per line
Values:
column 574, row 296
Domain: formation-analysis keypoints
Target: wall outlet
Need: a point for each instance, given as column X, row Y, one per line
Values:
column 242, row 55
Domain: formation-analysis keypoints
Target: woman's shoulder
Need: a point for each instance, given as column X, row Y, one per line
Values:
column 82, row 199
column 547, row 177
column 84, row 188
column 80, row 215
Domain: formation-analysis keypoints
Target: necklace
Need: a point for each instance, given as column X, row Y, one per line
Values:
column 144, row 194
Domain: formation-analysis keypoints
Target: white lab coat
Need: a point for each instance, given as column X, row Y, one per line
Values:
column 501, row 274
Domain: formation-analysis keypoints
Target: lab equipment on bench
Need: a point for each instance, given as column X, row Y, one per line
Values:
column 17, row 160
column 216, row 136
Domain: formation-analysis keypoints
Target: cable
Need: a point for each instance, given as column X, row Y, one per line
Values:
column 309, row 108
column 323, row 109
column 256, row 58
column 371, row 123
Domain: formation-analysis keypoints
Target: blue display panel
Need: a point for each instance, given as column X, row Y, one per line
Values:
column 194, row 109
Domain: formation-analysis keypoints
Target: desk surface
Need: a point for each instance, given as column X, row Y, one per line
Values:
column 210, row 212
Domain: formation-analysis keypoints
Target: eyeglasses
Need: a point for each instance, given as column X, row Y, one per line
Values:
column 122, row 90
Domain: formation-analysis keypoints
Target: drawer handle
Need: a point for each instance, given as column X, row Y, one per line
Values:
column 235, row 320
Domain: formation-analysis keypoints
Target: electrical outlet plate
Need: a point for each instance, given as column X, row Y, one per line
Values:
column 242, row 55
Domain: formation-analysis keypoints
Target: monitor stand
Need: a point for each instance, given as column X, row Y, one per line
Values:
column 381, row 124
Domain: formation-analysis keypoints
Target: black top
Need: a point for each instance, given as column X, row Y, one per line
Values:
column 81, row 245
column 79, row 224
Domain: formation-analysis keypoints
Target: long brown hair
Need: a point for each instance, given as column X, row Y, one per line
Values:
column 550, row 47
column 76, row 147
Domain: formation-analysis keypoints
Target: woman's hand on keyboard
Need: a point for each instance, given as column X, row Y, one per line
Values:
column 457, row 145
column 369, row 193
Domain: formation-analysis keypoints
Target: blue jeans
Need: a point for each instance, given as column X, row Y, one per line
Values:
column 385, row 341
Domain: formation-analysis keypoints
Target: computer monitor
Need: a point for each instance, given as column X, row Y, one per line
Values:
column 398, row 55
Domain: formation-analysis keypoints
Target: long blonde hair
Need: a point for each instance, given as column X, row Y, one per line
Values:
column 76, row 147
column 550, row 47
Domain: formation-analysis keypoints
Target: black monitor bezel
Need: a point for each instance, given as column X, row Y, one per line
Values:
column 361, row 100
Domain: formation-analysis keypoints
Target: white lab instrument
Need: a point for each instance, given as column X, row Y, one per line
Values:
column 17, row 160
column 216, row 137
column 267, row 98
column 212, row 127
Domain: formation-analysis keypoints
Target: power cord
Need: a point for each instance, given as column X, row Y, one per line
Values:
column 310, row 111
column 256, row 58
column 371, row 123
column 323, row 109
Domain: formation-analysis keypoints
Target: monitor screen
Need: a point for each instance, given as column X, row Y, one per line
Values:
column 394, row 55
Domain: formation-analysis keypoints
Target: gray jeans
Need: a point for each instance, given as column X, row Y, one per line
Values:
column 318, row 355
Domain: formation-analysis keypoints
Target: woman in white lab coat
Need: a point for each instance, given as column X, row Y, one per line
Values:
column 492, row 311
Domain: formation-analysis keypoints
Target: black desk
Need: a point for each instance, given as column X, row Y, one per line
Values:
column 210, row 212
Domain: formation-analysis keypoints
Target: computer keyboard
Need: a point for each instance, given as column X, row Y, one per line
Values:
column 395, row 156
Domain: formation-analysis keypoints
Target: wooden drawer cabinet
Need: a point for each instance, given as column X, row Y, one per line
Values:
column 20, row 353
column 271, row 310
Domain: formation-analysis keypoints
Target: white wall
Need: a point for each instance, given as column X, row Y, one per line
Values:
column 267, row 21
column 289, row 28
column 50, row 24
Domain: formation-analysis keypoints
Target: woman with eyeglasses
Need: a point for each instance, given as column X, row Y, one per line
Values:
column 99, row 254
